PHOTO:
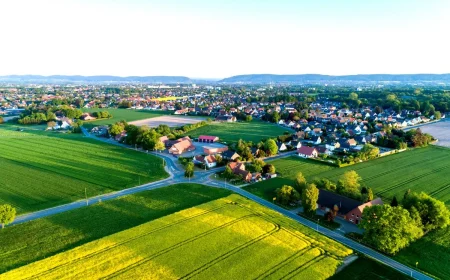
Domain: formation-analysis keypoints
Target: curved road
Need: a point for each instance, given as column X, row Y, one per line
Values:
column 177, row 176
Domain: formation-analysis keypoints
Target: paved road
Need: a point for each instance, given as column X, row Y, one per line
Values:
column 176, row 176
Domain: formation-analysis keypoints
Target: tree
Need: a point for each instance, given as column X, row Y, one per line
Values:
column 300, row 182
column 269, row 168
column 368, row 196
column 116, row 129
column 159, row 146
column 248, row 118
column 394, row 202
column 353, row 96
column 7, row 214
column 433, row 213
column 189, row 170
column 275, row 117
column 271, row 147
column 437, row 115
column 389, row 229
column 407, row 193
column 1, row 120
column 310, row 196
column 228, row 173
column 286, row 194
column 369, row 151
column 351, row 182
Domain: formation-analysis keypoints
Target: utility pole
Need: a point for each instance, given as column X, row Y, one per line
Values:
column 85, row 195
column 317, row 224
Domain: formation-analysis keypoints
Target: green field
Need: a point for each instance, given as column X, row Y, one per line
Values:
column 424, row 169
column 41, row 238
column 432, row 252
column 253, row 131
column 229, row 238
column 128, row 115
column 364, row 268
column 44, row 169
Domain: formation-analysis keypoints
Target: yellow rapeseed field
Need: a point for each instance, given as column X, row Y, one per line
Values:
column 229, row 238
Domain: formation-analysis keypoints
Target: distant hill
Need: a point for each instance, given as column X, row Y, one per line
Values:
column 95, row 79
column 315, row 78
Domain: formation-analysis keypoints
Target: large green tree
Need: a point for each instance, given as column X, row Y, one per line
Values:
column 388, row 228
column 286, row 194
column 433, row 213
column 271, row 147
column 351, row 182
column 300, row 182
column 189, row 170
column 7, row 214
column 310, row 195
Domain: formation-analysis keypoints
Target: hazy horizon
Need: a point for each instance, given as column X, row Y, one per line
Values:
column 218, row 39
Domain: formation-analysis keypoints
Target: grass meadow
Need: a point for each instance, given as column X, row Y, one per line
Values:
column 44, row 169
column 253, row 131
column 35, row 240
column 229, row 238
column 128, row 115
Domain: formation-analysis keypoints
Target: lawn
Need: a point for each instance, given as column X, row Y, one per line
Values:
column 43, row 169
column 38, row 239
column 128, row 115
column 253, row 131
column 364, row 268
column 229, row 238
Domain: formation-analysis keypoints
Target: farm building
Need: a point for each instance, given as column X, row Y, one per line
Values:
column 239, row 169
column 208, row 139
column 214, row 150
column 307, row 152
column 181, row 145
column 348, row 208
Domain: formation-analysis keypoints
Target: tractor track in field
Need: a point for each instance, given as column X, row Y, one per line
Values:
column 175, row 246
column 93, row 254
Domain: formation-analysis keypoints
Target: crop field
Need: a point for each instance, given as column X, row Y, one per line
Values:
column 35, row 240
column 44, row 169
column 128, row 115
column 425, row 169
column 253, row 131
column 170, row 121
column 230, row 238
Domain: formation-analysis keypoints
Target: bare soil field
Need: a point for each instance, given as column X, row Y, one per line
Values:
column 440, row 131
column 171, row 121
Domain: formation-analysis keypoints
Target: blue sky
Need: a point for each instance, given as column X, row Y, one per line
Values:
column 214, row 39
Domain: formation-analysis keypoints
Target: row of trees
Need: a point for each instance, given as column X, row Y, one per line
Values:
column 390, row 228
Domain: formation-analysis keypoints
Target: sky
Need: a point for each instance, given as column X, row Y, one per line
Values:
column 222, row 38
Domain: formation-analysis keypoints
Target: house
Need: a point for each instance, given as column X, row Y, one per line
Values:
column 295, row 144
column 299, row 135
column 322, row 150
column 210, row 161
column 182, row 145
column 208, row 139
column 230, row 155
column 254, row 151
column 281, row 147
column 181, row 112
column 315, row 140
column 63, row 123
column 355, row 215
column 348, row 208
column 87, row 117
column 119, row 137
column 214, row 150
column 238, row 168
column 223, row 118
column 307, row 152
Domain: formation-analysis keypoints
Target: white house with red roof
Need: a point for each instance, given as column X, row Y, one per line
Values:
column 307, row 152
